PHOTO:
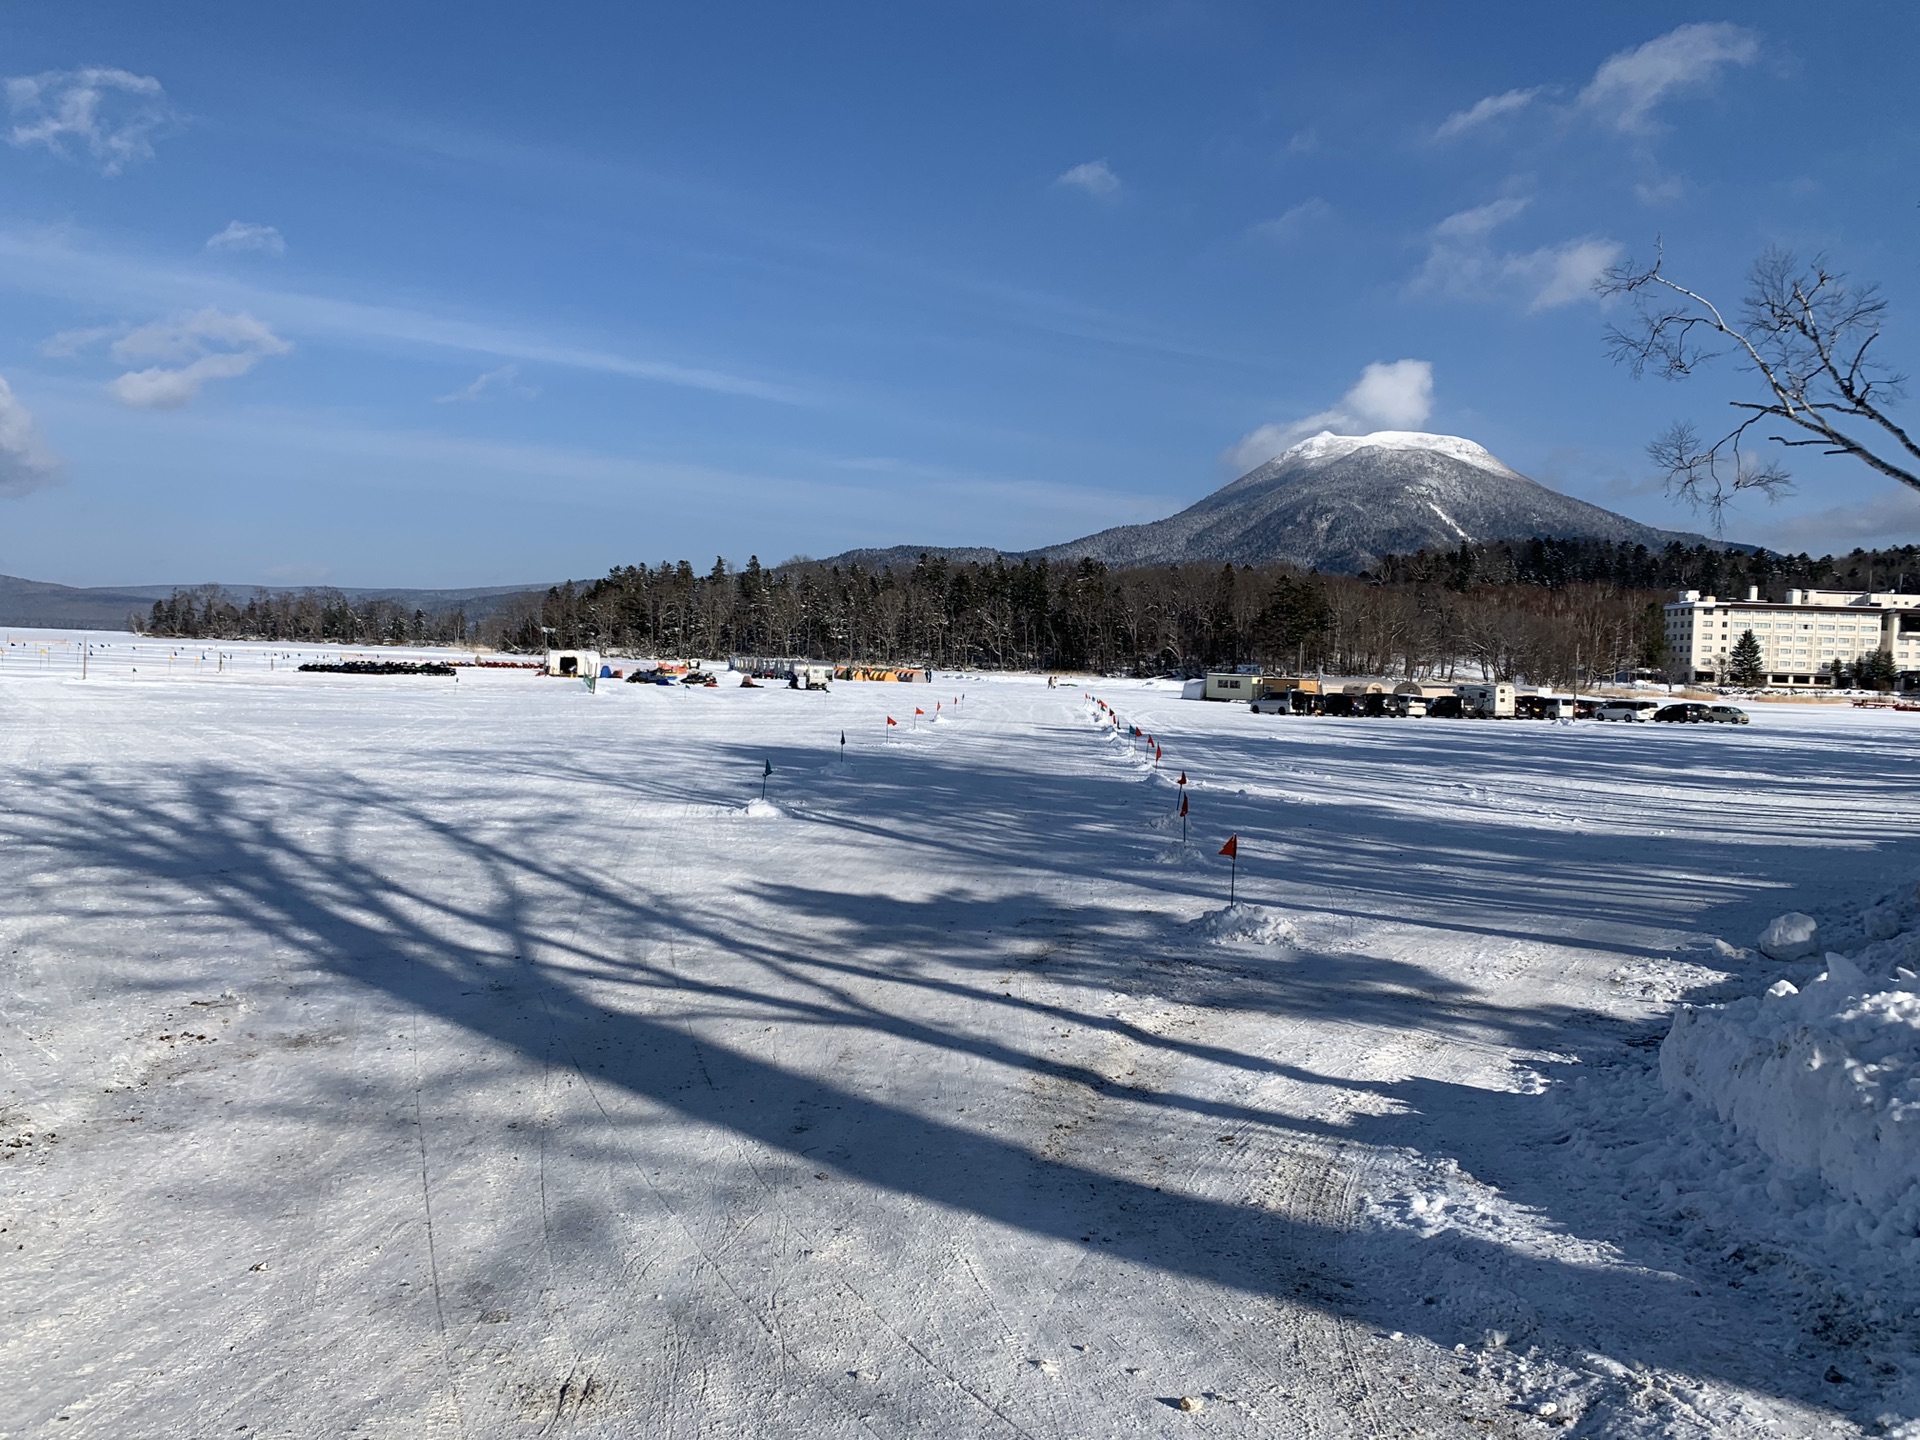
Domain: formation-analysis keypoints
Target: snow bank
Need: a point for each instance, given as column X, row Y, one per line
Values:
column 1824, row 1076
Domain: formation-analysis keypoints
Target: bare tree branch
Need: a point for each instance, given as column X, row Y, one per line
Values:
column 1806, row 334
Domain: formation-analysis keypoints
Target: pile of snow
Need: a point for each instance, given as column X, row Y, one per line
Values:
column 1245, row 924
column 1790, row 937
column 1824, row 1076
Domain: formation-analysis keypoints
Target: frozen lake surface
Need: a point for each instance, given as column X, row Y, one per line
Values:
column 411, row 1057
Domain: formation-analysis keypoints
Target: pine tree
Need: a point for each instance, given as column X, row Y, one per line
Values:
column 1745, row 667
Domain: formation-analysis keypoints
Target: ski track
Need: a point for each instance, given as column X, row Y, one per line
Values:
column 393, row 1058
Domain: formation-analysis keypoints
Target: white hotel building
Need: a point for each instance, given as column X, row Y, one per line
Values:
column 1801, row 641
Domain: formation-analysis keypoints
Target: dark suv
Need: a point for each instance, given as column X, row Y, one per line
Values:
column 1686, row 712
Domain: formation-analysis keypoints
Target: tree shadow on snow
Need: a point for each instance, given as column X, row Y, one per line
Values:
column 300, row 863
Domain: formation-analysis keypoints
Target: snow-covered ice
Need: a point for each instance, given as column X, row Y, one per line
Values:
column 412, row 1057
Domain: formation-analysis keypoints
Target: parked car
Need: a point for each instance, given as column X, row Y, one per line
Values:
column 1445, row 707
column 1684, row 712
column 1727, row 714
column 1629, row 710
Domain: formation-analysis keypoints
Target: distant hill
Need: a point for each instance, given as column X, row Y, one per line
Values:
column 1338, row 503
column 38, row 604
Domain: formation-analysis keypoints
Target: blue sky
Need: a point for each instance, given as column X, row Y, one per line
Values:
column 466, row 294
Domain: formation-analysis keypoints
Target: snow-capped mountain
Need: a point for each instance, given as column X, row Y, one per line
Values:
column 1339, row 502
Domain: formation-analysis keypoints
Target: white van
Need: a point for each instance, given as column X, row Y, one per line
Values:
column 1629, row 710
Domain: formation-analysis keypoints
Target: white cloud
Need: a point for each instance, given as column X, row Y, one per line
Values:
column 1661, row 190
column 1096, row 177
column 1463, row 262
column 1888, row 518
column 1481, row 219
column 242, row 235
column 69, row 343
column 1628, row 86
column 1304, row 142
column 112, row 115
column 52, row 266
column 1293, row 221
column 27, row 463
column 1563, row 274
column 206, row 345
column 1484, row 112
column 504, row 381
column 1389, row 395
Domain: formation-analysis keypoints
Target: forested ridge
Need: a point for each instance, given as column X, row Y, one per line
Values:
column 1545, row 610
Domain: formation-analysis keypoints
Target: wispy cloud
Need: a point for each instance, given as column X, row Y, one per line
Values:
column 1484, row 112
column 1889, row 518
column 27, row 462
column 1481, row 219
column 69, row 343
column 109, row 115
column 1304, row 142
column 1389, row 395
column 1464, row 263
column 1293, row 221
column 1095, row 178
column 49, row 265
column 503, row 383
column 1629, row 86
column 243, row 235
column 207, row 345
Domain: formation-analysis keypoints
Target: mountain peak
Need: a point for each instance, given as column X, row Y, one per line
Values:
column 1340, row 502
column 1329, row 446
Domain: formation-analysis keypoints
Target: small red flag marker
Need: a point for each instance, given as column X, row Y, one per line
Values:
column 1232, row 851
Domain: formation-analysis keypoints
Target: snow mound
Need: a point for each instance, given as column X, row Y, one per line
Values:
column 1824, row 1077
column 763, row 810
column 1329, row 446
column 1245, row 924
column 1792, row 936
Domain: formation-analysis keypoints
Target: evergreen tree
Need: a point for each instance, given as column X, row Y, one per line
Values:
column 1872, row 671
column 1744, row 667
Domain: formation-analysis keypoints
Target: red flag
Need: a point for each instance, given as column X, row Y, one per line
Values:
column 1183, row 804
column 1156, row 752
column 1232, row 847
column 918, row 711
column 936, row 704
column 892, row 721
column 1183, row 778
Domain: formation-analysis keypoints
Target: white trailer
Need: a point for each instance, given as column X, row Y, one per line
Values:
column 1234, row 685
column 583, row 664
column 1486, row 702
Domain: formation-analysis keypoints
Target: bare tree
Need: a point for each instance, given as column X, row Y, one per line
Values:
column 1806, row 333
